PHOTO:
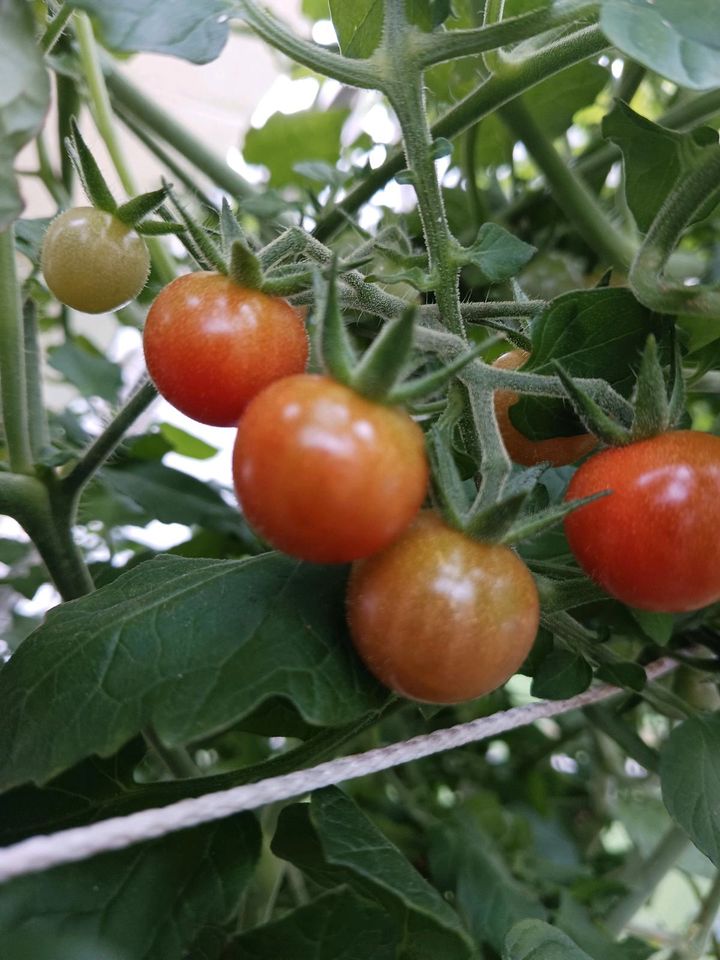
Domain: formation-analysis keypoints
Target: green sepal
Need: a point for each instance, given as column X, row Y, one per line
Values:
column 448, row 486
column 336, row 349
column 287, row 284
column 245, row 267
column 141, row 206
column 652, row 411
column 557, row 595
column 533, row 524
column 494, row 523
column 414, row 276
column 202, row 246
column 230, row 229
column 93, row 182
column 432, row 382
column 384, row 361
column 159, row 228
column 591, row 413
column 516, row 337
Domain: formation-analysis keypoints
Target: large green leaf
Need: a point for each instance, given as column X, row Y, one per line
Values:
column 181, row 28
column 286, row 140
column 536, row 940
column 680, row 41
column 334, row 843
column 24, row 97
column 465, row 859
column 155, row 901
column 654, row 158
column 337, row 926
column 358, row 25
column 187, row 646
column 593, row 333
column 690, row 778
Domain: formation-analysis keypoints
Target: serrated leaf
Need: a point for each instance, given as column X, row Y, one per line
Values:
column 593, row 333
column 497, row 253
column 358, row 26
column 690, row 780
column 180, row 28
column 654, row 158
column 187, row 646
column 333, row 842
column 86, row 368
column 337, row 926
column 536, row 940
column 24, row 98
column 155, row 901
column 561, row 674
column 464, row 859
column 310, row 134
column 677, row 40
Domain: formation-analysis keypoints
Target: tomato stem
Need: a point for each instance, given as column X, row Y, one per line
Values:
column 37, row 416
column 570, row 192
column 13, row 379
column 55, row 27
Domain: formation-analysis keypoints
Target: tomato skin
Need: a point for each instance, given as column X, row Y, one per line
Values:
column 212, row 345
column 557, row 451
column 92, row 261
column 442, row 618
column 324, row 474
column 653, row 542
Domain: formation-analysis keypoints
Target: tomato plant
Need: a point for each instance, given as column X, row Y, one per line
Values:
column 466, row 745
column 211, row 345
column 557, row 451
column 651, row 541
column 440, row 617
column 92, row 261
column 324, row 474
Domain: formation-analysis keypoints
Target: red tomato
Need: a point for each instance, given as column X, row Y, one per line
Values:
column 653, row 542
column 440, row 617
column 324, row 474
column 557, row 451
column 212, row 345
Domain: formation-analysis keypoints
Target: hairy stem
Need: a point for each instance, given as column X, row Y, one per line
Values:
column 13, row 385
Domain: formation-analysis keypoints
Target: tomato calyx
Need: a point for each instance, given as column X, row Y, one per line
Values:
column 379, row 374
column 656, row 408
column 135, row 211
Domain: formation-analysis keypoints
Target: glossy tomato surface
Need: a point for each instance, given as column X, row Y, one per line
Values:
column 92, row 261
column 557, row 451
column 324, row 474
column 212, row 345
column 440, row 617
column 653, row 542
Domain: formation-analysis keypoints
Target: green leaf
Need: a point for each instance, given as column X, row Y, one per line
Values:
column 24, row 98
column 29, row 236
column 690, row 779
column 427, row 14
column 561, row 674
column 156, row 901
column 658, row 626
column 677, row 40
column 497, row 253
column 337, row 926
column 465, row 859
column 170, row 496
column 333, row 842
column 358, row 26
column 185, row 444
column 310, row 134
column 83, row 365
column 593, row 333
column 654, row 158
column 536, row 940
column 187, row 646
column 623, row 674
column 181, row 28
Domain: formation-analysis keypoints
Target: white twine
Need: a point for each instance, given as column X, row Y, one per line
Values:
column 79, row 843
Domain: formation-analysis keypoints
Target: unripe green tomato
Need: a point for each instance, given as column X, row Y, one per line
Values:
column 92, row 261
